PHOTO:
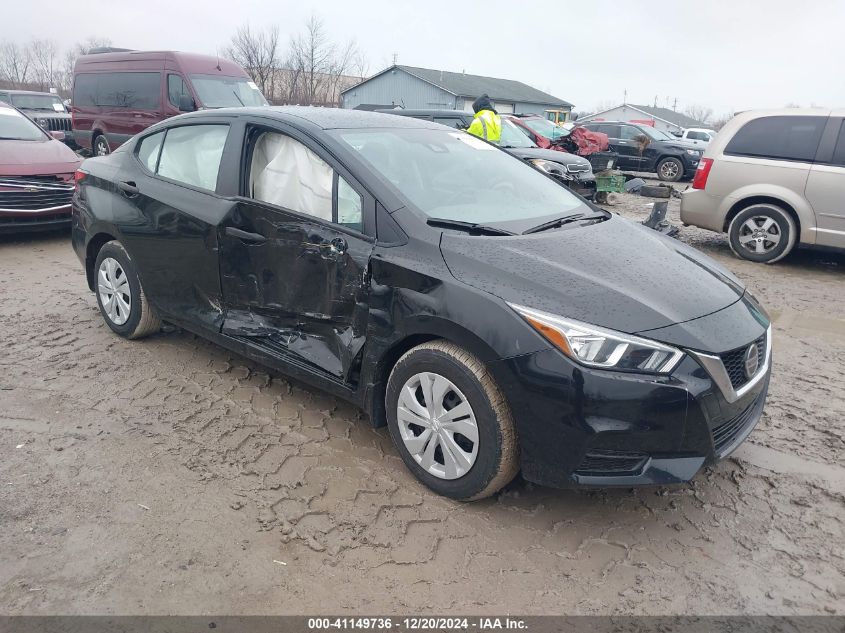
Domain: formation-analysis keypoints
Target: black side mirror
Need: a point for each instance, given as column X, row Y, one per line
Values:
column 186, row 103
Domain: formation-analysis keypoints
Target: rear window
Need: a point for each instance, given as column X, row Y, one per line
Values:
column 134, row 91
column 779, row 137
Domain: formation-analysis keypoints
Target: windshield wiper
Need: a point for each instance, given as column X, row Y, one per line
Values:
column 553, row 224
column 238, row 98
column 469, row 227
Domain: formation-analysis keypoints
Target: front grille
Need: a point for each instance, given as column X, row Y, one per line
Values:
column 726, row 434
column 611, row 463
column 734, row 362
column 54, row 124
column 33, row 195
column 33, row 220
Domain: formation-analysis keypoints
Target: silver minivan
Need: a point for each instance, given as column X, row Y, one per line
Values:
column 772, row 179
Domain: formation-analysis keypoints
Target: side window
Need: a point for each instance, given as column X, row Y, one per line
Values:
column 284, row 172
column 176, row 88
column 138, row 91
column 612, row 131
column 627, row 132
column 191, row 154
column 149, row 149
column 349, row 206
column 839, row 150
column 85, row 90
column 780, row 137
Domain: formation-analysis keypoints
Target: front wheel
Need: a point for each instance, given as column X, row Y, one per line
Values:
column 670, row 169
column 120, row 296
column 762, row 233
column 450, row 422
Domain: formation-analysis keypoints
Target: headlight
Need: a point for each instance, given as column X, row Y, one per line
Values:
column 604, row 349
column 547, row 166
column 693, row 152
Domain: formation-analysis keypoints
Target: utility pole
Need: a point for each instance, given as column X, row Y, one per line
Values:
column 675, row 105
column 395, row 58
column 655, row 101
column 625, row 97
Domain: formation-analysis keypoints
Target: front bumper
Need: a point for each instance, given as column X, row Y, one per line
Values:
column 26, row 221
column 584, row 427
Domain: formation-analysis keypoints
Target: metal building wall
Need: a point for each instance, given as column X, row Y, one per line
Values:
column 399, row 88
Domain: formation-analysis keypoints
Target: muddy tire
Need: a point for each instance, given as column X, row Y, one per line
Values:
column 120, row 296
column 450, row 422
column 670, row 169
column 763, row 233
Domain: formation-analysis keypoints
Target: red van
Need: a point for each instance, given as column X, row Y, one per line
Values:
column 118, row 94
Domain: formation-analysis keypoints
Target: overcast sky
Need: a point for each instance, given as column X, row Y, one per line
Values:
column 728, row 55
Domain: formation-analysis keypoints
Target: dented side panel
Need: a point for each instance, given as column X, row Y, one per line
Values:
column 301, row 292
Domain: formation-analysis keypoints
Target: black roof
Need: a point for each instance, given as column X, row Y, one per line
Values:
column 324, row 118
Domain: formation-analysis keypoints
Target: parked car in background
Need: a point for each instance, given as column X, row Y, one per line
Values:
column 46, row 109
column 118, row 94
column 36, row 174
column 565, row 138
column 575, row 171
column 772, row 180
column 643, row 148
column 698, row 135
column 489, row 317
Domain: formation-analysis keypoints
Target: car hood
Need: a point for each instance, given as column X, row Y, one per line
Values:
column 564, row 158
column 31, row 158
column 616, row 274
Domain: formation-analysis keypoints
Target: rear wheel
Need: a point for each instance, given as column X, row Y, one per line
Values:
column 120, row 296
column 101, row 146
column 450, row 422
column 762, row 233
column 670, row 169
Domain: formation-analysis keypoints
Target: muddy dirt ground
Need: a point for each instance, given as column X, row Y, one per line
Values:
column 170, row 476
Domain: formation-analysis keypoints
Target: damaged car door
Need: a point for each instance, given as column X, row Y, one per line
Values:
column 294, row 254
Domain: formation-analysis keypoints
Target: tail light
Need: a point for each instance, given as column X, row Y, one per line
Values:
column 78, row 177
column 699, row 181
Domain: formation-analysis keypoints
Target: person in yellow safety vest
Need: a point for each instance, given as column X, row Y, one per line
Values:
column 486, row 123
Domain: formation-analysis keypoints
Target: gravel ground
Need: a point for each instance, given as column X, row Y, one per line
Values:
column 170, row 476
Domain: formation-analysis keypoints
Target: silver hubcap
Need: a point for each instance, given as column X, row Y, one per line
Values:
column 760, row 234
column 669, row 170
column 437, row 425
column 115, row 294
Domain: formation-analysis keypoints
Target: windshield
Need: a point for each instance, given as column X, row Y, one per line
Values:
column 37, row 102
column 545, row 128
column 512, row 136
column 657, row 135
column 452, row 175
column 16, row 127
column 216, row 91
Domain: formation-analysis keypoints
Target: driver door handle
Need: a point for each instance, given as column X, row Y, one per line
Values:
column 128, row 188
column 246, row 236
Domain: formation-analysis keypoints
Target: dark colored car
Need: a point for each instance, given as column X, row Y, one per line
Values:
column 643, row 148
column 491, row 318
column 575, row 171
column 36, row 174
column 46, row 109
column 118, row 94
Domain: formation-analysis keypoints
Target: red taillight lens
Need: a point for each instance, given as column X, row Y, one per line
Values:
column 78, row 177
column 699, row 181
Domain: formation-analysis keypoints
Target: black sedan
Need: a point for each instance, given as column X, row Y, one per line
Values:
column 492, row 319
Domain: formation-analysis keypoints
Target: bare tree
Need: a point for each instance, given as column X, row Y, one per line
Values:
column 15, row 64
column 258, row 53
column 71, row 55
column 360, row 66
column 45, row 62
column 311, row 60
column 700, row 113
